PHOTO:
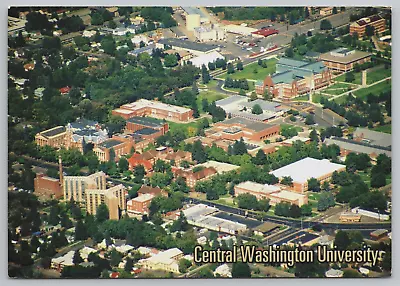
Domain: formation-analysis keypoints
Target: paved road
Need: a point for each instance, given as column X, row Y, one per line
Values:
column 293, row 222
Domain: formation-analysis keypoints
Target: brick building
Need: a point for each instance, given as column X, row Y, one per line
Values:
column 343, row 59
column 114, row 198
column 140, row 204
column 303, row 170
column 155, row 109
column 376, row 21
column 149, row 158
column 193, row 177
column 274, row 193
column 137, row 123
column 47, row 187
column 236, row 128
column 294, row 78
column 120, row 148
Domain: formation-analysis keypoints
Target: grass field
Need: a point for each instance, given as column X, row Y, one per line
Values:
column 387, row 128
column 316, row 98
column 337, row 88
column 210, row 95
column 342, row 78
column 286, row 126
column 189, row 129
column 374, row 89
column 302, row 98
column 378, row 74
column 248, row 71
column 372, row 76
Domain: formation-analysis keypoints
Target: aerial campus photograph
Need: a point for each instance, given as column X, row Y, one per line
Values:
column 199, row 142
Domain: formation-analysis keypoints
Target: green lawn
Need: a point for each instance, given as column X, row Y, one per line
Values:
column 378, row 74
column 286, row 126
column 210, row 95
column 340, row 100
column 188, row 128
column 372, row 76
column 316, row 98
column 387, row 128
column 337, row 88
column 374, row 89
column 357, row 78
column 314, row 196
column 248, row 71
column 302, row 98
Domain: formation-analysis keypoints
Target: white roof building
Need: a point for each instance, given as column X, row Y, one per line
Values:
column 206, row 58
column 125, row 248
column 223, row 270
column 241, row 30
column 334, row 273
column 166, row 260
column 308, row 168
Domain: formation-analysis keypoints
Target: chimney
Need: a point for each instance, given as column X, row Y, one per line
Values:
column 60, row 171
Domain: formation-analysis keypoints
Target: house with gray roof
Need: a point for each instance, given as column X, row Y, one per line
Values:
column 186, row 45
column 240, row 106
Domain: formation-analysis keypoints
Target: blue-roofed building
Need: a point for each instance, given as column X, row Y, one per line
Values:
column 295, row 78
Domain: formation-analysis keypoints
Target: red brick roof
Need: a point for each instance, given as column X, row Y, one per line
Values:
column 265, row 32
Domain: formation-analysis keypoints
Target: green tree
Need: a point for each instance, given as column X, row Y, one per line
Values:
column 115, row 257
column 325, row 25
column 287, row 180
column 314, row 185
column 342, row 240
column 102, row 213
column 184, row 264
column 77, row 259
column 350, row 77
column 239, row 66
column 257, row 109
column 260, row 158
column 170, row 60
column 241, row 270
column 306, row 210
column 128, row 265
column 123, row 164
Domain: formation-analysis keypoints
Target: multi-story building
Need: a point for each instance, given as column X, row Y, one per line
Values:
column 209, row 33
column 75, row 186
column 137, row 123
column 120, row 147
column 156, row 191
column 343, row 59
column 74, row 135
column 54, row 137
column 303, row 170
column 326, row 11
column 144, row 107
column 47, row 187
column 376, row 21
column 167, row 260
column 148, row 158
column 294, row 78
column 193, row 177
column 140, row 204
column 275, row 194
column 114, row 198
column 237, row 128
